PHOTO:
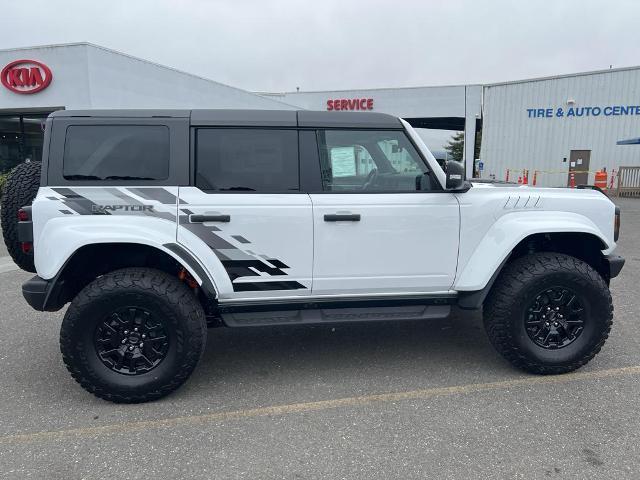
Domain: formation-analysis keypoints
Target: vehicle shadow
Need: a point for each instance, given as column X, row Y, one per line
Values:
column 384, row 354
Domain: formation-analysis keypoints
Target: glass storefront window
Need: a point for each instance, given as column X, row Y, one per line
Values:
column 21, row 138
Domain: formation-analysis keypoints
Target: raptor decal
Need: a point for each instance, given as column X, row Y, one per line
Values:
column 238, row 263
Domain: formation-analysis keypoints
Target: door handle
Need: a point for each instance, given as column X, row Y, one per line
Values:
column 342, row 217
column 193, row 218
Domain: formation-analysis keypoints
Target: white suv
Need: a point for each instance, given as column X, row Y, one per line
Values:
column 157, row 224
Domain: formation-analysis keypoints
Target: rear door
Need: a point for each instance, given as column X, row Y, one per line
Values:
column 382, row 224
column 244, row 216
column 579, row 161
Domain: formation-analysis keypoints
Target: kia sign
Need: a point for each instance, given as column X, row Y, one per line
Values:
column 26, row 76
column 350, row 104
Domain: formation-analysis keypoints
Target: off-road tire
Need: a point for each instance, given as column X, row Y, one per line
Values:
column 19, row 191
column 182, row 317
column 517, row 286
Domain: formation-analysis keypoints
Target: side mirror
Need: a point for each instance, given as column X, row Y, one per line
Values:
column 455, row 175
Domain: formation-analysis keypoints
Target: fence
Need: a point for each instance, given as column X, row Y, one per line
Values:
column 560, row 178
column 624, row 182
column 628, row 182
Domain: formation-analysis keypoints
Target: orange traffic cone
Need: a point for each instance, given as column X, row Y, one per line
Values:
column 525, row 177
column 572, row 182
column 613, row 174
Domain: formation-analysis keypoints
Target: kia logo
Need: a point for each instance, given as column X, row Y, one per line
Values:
column 26, row 76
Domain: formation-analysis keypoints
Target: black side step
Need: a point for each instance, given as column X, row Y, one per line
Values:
column 331, row 303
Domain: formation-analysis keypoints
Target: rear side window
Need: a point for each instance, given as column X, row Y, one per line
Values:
column 116, row 152
column 250, row 160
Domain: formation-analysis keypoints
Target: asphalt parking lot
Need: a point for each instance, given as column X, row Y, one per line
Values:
column 387, row 400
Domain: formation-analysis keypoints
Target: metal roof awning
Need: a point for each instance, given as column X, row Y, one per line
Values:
column 630, row 141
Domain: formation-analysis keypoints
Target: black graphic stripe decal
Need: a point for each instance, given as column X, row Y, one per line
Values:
column 237, row 262
column 77, row 203
column 266, row 286
column 276, row 263
column 241, row 268
column 157, row 194
column 205, row 234
column 84, row 206
column 132, row 201
column 240, row 238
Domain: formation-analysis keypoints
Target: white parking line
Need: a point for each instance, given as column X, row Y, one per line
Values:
column 7, row 265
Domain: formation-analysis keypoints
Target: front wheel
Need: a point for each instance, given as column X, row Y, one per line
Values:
column 548, row 313
column 133, row 335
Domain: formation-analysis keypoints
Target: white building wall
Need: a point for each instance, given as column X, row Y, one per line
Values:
column 413, row 102
column 70, row 85
column 511, row 139
column 87, row 76
column 118, row 80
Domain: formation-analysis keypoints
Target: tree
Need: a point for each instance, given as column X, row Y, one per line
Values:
column 455, row 147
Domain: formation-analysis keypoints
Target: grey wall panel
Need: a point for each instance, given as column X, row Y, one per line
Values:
column 513, row 140
column 412, row 102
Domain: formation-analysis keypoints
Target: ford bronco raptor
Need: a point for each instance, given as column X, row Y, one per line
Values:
column 154, row 225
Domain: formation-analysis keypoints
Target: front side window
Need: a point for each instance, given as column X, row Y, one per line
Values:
column 370, row 160
column 116, row 152
column 244, row 159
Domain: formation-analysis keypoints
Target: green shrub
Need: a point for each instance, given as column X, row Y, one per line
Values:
column 3, row 181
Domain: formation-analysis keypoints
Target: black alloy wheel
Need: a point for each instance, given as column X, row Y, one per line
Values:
column 131, row 341
column 555, row 318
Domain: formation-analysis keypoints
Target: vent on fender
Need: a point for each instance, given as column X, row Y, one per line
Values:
column 522, row 202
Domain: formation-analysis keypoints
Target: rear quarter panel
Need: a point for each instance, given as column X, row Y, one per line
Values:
column 67, row 218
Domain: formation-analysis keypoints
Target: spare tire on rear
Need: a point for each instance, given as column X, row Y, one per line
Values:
column 19, row 191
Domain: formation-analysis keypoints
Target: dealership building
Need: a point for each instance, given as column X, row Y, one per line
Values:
column 551, row 126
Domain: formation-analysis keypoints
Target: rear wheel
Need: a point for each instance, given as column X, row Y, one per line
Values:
column 133, row 335
column 548, row 313
column 19, row 191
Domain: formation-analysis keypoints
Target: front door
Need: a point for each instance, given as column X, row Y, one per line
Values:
column 245, row 218
column 382, row 224
column 579, row 166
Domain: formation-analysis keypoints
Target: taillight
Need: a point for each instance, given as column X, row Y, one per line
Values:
column 616, row 225
column 25, row 232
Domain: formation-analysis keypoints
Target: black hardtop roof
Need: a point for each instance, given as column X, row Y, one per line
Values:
column 251, row 118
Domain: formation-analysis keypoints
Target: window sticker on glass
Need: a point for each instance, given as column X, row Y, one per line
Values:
column 343, row 161
column 373, row 160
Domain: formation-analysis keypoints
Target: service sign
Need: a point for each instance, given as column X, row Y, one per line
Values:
column 26, row 76
column 350, row 104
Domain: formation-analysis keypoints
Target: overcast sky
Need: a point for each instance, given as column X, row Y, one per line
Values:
column 277, row 45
